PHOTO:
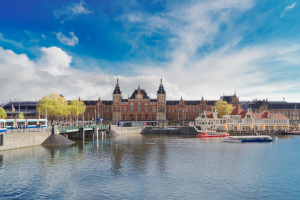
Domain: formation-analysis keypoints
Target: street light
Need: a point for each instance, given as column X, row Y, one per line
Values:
column 77, row 113
column 19, row 107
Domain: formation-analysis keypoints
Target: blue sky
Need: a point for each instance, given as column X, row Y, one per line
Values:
column 199, row 48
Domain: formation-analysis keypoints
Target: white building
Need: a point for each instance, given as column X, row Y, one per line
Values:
column 241, row 119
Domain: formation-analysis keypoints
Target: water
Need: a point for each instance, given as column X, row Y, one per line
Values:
column 153, row 167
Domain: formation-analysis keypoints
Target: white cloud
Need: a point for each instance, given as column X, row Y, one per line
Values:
column 54, row 60
column 43, row 36
column 70, row 11
column 288, row 8
column 185, row 73
column 67, row 41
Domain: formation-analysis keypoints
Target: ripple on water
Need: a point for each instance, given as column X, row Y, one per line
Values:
column 154, row 167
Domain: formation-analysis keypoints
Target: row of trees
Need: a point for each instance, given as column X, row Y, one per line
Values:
column 57, row 106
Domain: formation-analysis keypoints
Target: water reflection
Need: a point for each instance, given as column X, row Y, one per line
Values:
column 133, row 166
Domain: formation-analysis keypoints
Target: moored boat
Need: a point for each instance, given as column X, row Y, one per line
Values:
column 260, row 138
column 212, row 134
column 293, row 133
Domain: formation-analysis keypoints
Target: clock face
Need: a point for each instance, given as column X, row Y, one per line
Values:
column 117, row 99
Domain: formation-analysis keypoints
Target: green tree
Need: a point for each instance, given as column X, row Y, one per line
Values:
column 55, row 104
column 21, row 115
column 72, row 107
column 223, row 108
column 2, row 113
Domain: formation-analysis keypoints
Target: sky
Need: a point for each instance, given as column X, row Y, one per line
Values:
column 204, row 48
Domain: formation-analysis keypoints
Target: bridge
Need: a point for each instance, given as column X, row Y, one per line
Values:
column 71, row 129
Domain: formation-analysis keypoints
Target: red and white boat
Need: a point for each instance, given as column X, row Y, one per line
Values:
column 210, row 134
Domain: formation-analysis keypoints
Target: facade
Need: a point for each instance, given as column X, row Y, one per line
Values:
column 140, row 107
column 283, row 107
column 241, row 119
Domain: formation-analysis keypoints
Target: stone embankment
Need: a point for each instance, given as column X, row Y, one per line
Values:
column 19, row 140
column 184, row 130
column 114, row 130
column 28, row 139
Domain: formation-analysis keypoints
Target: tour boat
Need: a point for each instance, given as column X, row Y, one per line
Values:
column 260, row 138
column 212, row 134
column 293, row 133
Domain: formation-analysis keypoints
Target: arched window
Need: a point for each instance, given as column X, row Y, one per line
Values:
column 146, row 107
column 139, row 107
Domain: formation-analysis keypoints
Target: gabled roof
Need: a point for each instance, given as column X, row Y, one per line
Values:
column 237, row 111
column 209, row 114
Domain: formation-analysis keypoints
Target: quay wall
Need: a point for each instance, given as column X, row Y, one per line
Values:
column 124, row 130
column 19, row 140
column 185, row 130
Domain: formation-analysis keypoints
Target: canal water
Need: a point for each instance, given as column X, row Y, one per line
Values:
column 153, row 167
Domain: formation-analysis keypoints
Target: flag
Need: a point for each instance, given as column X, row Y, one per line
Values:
column 13, row 108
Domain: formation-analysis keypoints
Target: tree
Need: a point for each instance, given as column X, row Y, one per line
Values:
column 72, row 108
column 21, row 115
column 55, row 104
column 2, row 113
column 223, row 108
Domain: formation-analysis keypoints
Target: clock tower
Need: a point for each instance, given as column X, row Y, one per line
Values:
column 161, row 102
column 117, row 100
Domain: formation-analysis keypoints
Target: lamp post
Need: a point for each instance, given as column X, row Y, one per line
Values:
column 95, row 116
column 77, row 112
column 19, row 107
column 98, row 110
column 82, row 114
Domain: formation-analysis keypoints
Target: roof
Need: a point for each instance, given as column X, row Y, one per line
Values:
column 209, row 114
column 161, row 89
column 93, row 102
column 144, row 93
column 274, row 105
column 237, row 111
column 117, row 90
column 228, row 99
column 189, row 102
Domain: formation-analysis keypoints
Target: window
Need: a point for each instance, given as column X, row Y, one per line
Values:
column 193, row 109
column 153, row 109
column 146, row 116
column 124, row 116
column 146, row 107
column 153, row 117
column 131, row 107
column 131, row 117
column 139, row 109
column 124, row 109
column 161, row 109
column 139, row 117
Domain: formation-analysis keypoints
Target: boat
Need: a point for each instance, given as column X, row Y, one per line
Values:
column 293, row 133
column 260, row 138
column 212, row 134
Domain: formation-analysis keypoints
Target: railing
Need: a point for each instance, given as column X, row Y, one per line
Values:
column 28, row 130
